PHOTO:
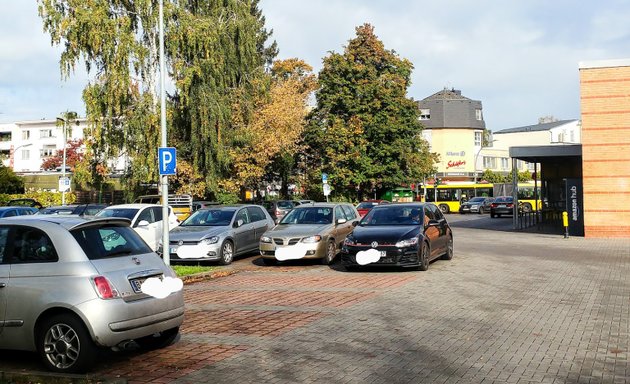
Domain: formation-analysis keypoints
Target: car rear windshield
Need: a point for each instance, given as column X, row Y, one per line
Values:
column 366, row 205
column 127, row 213
column 504, row 199
column 285, row 204
column 477, row 199
column 110, row 241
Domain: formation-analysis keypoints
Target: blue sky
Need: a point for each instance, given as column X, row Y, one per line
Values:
column 520, row 58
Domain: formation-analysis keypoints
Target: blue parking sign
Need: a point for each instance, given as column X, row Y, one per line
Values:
column 167, row 157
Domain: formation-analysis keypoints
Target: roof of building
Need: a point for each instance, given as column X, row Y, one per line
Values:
column 535, row 127
column 447, row 94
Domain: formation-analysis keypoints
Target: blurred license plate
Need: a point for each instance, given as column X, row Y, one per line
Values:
column 136, row 284
column 502, row 206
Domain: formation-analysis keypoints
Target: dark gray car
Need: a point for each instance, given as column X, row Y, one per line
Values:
column 219, row 233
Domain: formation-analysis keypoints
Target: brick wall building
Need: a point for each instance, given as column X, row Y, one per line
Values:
column 605, row 106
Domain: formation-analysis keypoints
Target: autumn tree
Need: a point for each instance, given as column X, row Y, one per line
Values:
column 267, row 145
column 74, row 155
column 365, row 131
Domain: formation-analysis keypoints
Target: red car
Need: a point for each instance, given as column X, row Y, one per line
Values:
column 365, row 206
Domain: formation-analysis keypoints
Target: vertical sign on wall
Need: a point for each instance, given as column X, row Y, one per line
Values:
column 575, row 207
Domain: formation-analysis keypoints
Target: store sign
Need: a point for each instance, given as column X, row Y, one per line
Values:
column 453, row 164
column 458, row 153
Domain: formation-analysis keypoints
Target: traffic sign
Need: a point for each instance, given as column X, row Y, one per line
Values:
column 324, row 178
column 326, row 189
column 167, row 157
column 64, row 184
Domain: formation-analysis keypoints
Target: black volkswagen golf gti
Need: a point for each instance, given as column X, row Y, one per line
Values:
column 399, row 235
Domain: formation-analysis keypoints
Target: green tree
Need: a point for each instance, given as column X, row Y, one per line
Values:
column 9, row 181
column 364, row 130
column 219, row 55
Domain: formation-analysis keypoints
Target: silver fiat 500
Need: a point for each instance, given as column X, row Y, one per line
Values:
column 69, row 287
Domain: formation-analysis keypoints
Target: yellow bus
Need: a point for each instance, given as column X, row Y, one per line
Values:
column 450, row 196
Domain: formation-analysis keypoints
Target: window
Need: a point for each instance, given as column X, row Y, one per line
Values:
column 478, row 138
column 242, row 215
column 48, row 150
column 146, row 215
column 478, row 114
column 5, row 136
column 339, row 213
column 425, row 114
column 109, row 241
column 255, row 214
column 45, row 133
column 31, row 245
column 26, row 135
column 489, row 162
column 4, row 236
column 26, row 154
column 350, row 215
column 505, row 164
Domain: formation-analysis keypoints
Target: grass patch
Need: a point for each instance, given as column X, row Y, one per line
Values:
column 185, row 270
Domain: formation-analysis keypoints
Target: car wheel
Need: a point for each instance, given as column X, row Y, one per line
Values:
column 423, row 257
column 526, row 208
column 65, row 345
column 449, row 249
column 270, row 261
column 481, row 211
column 444, row 208
column 227, row 253
column 158, row 340
column 331, row 252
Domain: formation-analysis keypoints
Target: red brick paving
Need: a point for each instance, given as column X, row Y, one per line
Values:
column 243, row 322
column 167, row 364
column 277, row 298
column 368, row 281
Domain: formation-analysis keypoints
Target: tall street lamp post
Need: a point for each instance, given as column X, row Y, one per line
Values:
column 63, row 165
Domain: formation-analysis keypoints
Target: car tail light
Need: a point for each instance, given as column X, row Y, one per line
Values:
column 104, row 288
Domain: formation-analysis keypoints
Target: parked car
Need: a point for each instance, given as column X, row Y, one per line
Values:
column 399, row 235
column 17, row 211
column 26, row 202
column 310, row 231
column 278, row 208
column 146, row 220
column 199, row 204
column 479, row 204
column 502, row 205
column 73, row 209
column 301, row 202
column 219, row 233
column 365, row 206
column 180, row 204
column 71, row 287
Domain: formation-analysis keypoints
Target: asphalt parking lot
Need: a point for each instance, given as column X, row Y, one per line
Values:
column 511, row 307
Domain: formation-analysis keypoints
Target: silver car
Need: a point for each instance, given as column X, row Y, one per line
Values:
column 219, row 233
column 309, row 231
column 69, row 287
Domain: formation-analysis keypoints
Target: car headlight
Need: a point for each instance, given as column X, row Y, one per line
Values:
column 210, row 240
column 265, row 239
column 312, row 239
column 349, row 241
column 407, row 243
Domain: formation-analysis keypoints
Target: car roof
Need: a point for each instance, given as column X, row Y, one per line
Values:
column 67, row 221
column 132, row 206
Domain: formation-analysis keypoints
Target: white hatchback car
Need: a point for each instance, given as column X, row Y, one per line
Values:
column 69, row 287
column 146, row 219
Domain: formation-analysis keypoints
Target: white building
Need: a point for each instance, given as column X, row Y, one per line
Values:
column 24, row 145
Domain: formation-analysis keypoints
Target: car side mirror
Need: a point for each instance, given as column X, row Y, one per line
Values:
column 341, row 221
column 238, row 223
column 355, row 223
column 142, row 223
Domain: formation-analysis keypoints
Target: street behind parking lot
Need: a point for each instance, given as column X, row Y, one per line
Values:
column 510, row 307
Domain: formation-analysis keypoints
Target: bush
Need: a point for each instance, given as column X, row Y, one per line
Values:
column 46, row 198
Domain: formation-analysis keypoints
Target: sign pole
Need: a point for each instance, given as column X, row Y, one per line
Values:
column 166, row 249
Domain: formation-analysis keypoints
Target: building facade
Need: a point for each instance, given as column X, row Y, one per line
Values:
column 605, row 106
